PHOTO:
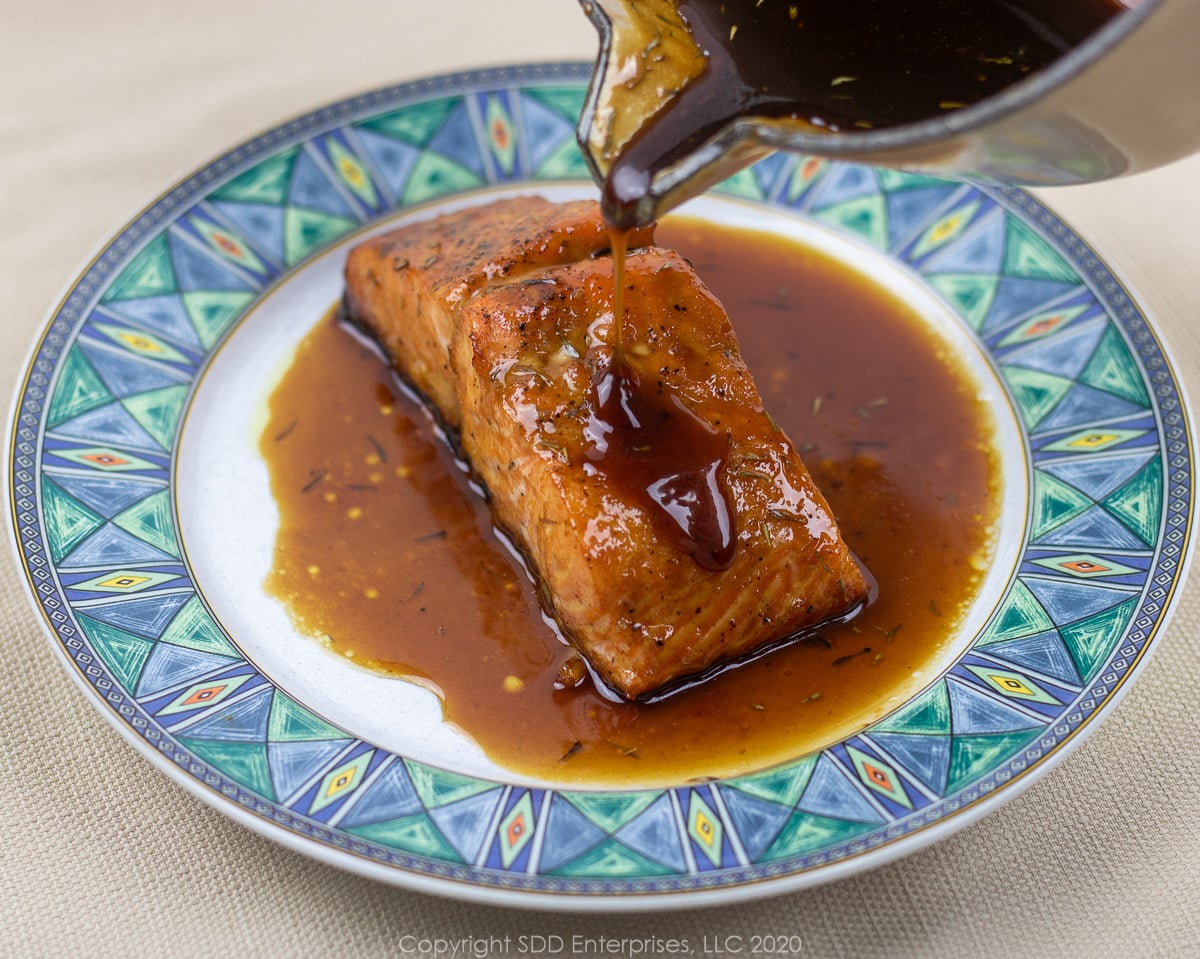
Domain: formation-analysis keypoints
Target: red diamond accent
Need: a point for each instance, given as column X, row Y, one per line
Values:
column 105, row 459
column 500, row 134
column 1086, row 566
column 1043, row 326
column 227, row 245
column 203, row 695
column 878, row 776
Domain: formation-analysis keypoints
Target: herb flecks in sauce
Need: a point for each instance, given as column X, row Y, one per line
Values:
column 418, row 585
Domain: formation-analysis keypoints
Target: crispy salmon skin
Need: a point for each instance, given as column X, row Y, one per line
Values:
column 502, row 317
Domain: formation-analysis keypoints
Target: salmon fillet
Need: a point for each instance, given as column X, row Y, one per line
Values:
column 502, row 317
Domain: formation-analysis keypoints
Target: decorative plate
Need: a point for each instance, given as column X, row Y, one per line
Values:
column 117, row 433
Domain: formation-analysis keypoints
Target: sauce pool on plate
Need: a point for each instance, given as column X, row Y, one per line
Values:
column 386, row 553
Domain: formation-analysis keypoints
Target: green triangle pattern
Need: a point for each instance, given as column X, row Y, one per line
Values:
column 1036, row 393
column 742, row 184
column 415, row 124
column 153, row 521
column 784, row 785
column 973, row 756
column 610, row 811
column 1138, row 504
column 123, row 653
column 1112, row 369
column 1028, row 255
column 1020, row 615
column 565, row 163
column 567, row 102
column 434, row 176
column 414, row 834
column 78, row 390
column 926, row 714
column 893, row 181
column 68, row 521
column 806, row 832
column 305, row 231
column 439, row 787
column 970, row 294
column 865, row 216
column 290, row 722
column 611, row 860
column 267, row 182
column 244, row 763
column 193, row 628
column 158, row 412
column 1054, row 503
column 150, row 273
column 212, row 312
column 1090, row 641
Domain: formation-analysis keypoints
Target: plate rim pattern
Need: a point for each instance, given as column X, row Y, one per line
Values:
column 718, row 850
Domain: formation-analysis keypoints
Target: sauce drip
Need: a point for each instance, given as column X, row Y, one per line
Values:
column 386, row 554
column 823, row 66
column 618, row 242
column 645, row 438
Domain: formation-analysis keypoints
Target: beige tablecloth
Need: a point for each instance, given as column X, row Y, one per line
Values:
column 105, row 105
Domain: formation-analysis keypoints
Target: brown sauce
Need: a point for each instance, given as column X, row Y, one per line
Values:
column 842, row 66
column 652, row 445
column 386, row 553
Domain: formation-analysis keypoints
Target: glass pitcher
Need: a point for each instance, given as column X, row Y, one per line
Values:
column 1124, row 100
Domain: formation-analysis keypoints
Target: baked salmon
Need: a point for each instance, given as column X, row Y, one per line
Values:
column 670, row 524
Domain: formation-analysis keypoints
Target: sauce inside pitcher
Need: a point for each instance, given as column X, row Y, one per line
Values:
column 679, row 73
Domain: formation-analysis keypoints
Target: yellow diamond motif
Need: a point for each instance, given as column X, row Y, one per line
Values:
column 1011, row 684
column 128, row 581
column 125, row 581
column 705, row 828
column 948, row 227
column 945, row 229
column 1093, row 439
column 351, row 172
column 145, row 344
column 341, row 781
